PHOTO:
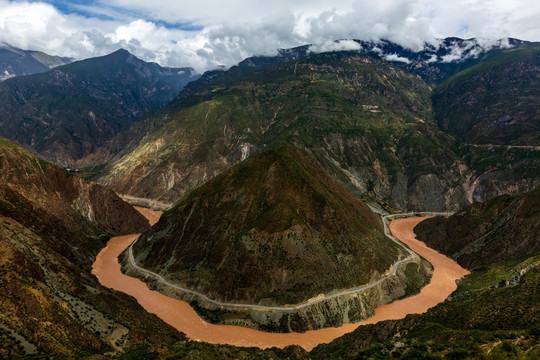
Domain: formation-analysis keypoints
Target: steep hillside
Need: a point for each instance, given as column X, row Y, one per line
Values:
column 67, row 112
column 69, row 199
column 494, row 102
column 274, row 230
column 503, row 228
column 16, row 62
column 51, row 227
column 493, row 313
column 367, row 122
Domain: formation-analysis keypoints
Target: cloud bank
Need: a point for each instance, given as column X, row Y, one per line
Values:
column 207, row 33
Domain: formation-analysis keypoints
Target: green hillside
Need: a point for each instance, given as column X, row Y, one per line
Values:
column 278, row 213
column 367, row 122
column 495, row 101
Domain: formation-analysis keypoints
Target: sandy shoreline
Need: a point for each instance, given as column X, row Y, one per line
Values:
column 180, row 315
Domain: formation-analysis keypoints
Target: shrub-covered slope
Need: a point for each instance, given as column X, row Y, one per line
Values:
column 502, row 228
column 275, row 229
column 51, row 227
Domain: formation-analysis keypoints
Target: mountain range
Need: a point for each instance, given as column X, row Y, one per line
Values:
column 363, row 118
column 67, row 112
column 273, row 173
column 16, row 62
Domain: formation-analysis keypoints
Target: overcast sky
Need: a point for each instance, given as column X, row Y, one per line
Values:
column 207, row 33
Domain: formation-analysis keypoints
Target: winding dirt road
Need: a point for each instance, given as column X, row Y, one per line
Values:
column 180, row 315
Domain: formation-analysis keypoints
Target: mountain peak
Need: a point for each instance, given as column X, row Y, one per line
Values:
column 258, row 231
column 120, row 52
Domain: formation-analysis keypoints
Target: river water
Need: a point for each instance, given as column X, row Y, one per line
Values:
column 181, row 316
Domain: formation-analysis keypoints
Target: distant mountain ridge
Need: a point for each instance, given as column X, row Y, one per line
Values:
column 15, row 62
column 361, row 117
column 433, row 63
column 369, row 121
column 67, row 112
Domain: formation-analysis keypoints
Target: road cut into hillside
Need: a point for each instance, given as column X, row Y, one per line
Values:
column 181, row 315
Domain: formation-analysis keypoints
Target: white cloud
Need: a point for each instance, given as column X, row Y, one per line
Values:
column 227, row 32
column 432, row 59
column 396, row 57
column 340, row 45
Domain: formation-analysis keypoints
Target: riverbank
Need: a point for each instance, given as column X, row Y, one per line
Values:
column 180, row 315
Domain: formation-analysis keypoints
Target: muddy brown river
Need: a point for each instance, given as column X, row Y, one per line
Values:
column 180, row 315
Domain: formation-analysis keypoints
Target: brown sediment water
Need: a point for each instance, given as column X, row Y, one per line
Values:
column 180, row 315
column 151, row 215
